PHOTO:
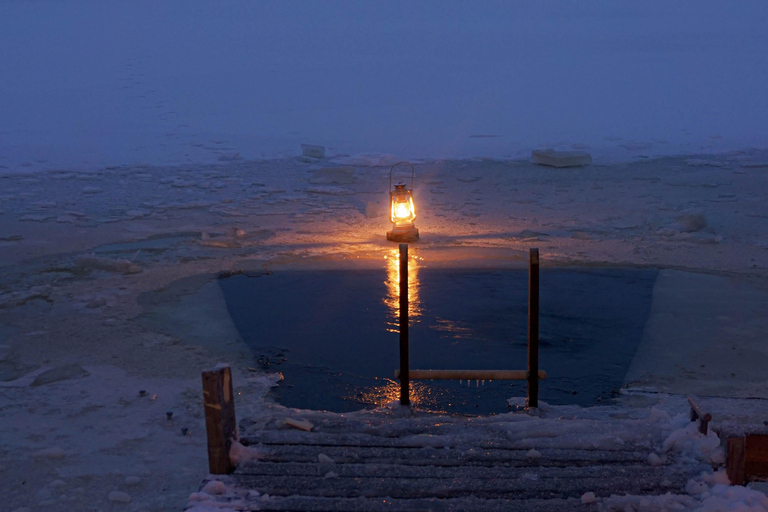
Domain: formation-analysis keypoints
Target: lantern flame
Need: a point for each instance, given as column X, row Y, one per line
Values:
column 403, row 211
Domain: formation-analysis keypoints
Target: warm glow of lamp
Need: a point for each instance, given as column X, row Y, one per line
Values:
column 402, row 210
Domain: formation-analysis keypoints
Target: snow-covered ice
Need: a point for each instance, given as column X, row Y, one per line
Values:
column 72, row 295
column 88, row 84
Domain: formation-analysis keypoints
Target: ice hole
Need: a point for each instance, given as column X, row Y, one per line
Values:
column 334, row 334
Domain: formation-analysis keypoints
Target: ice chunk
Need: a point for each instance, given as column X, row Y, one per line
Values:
column 300, row 424
column 132, row 480
column 552, row 158
column 49, row 453
column 588, row 497
column 324, row 459
column 86, row 263
column 19, row 298
column 313, row 151
column 119, row 497
column 690, row 223
column 533, row 454
column 334, row 175
column 239, row 453
column 66, row 372
column 35, row 218
column 214, row 487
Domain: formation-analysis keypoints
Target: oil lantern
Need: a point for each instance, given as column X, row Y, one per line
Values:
column 402, row 212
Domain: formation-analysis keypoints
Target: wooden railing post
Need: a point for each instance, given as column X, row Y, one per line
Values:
column 697, row 413
column 404, row 357
column 220, row 422
column 533, row 329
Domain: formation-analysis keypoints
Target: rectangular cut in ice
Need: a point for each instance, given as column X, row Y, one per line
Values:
column 554, row 158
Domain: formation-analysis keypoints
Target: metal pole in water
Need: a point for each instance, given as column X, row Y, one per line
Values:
column 404, row 363
column 533, row 329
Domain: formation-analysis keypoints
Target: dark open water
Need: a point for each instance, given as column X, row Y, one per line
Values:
column 333, row 334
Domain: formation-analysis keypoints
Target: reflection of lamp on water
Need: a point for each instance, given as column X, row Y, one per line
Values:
column 402, row 211
column 392, row 298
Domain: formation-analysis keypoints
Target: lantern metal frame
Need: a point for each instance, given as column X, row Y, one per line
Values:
column 403, row 232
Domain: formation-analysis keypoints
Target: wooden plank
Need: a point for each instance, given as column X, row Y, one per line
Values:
column 734, row 462
column 528, row 486
column 533, row 329
column 220, row 422
column 470, row 374
column 697, row 413
column 429, row 442
column 756, row 457
column 361, row 504
column 453, row 457
column 395, row 470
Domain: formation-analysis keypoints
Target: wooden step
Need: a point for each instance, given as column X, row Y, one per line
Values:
column 321, row 504
column 448, row 483
column 419, row 456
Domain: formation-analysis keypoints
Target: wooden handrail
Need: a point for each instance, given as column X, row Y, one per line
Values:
column 697, row 413
column 532, row 375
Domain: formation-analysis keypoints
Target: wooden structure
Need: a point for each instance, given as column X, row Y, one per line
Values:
column 746, row 449
column 746, row 456
column 440, row 463
column 220, row 422
column 532, row 375
column 698, row 414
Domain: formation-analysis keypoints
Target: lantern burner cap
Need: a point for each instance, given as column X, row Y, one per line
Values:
column 403, row 234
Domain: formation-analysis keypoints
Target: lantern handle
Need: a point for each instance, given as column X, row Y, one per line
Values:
column 413, row 172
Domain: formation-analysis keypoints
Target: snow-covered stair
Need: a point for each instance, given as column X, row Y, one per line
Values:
column 369, row 462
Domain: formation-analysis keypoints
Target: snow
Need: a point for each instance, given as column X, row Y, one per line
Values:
column 214, row 487
column 239, row 453
column 146, row 147
column 533, row 454
column 688, row 438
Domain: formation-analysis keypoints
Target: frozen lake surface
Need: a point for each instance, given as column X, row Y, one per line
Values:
column 334, row 334
column 90, row 84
